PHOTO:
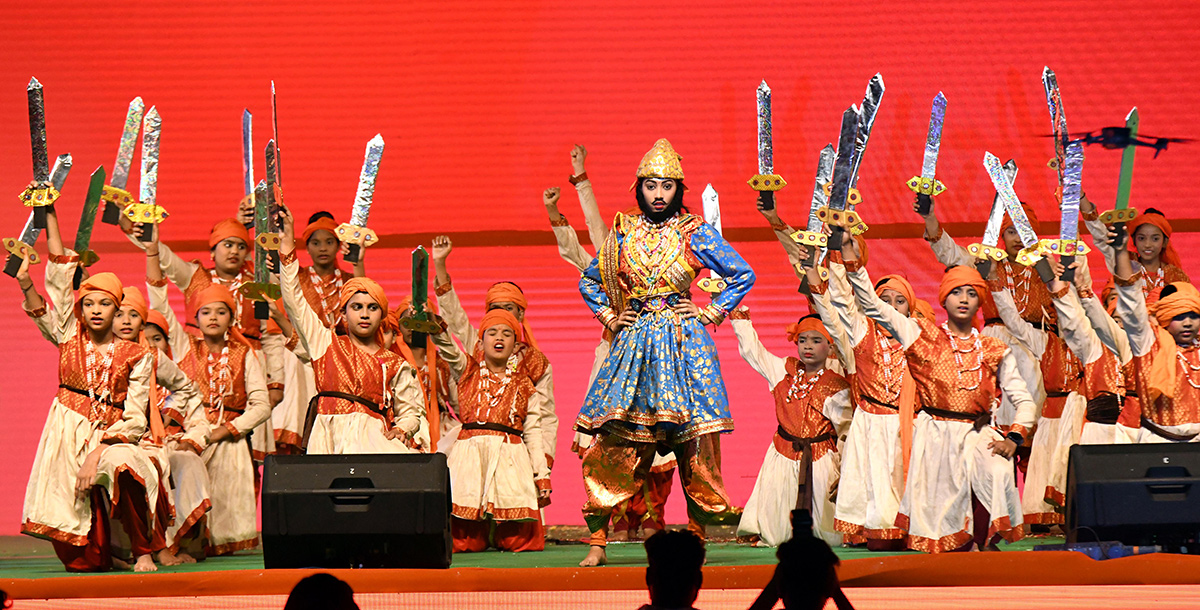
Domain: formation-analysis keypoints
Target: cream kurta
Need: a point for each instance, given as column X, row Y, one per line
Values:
column 354, row 431
column 768, row 511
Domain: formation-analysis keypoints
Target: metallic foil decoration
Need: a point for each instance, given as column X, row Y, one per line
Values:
column 271, row 221
column 366, row 182
column 151, row 126
column 275, row 136
column 986, row 250
column 87, row 218
column 1068, row 244
column 421, row 320
column 1012, row 205
column 714, row 283
column 1058, row 120
column 870, row 107
column 37, row 131
column 836, row 214
column 23, row 245
column 927, row 185
column 129, row 136
column 766, row 151
column 247, row 153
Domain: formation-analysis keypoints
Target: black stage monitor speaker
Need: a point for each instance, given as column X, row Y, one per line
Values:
column 1136, row 494
column 356, row 511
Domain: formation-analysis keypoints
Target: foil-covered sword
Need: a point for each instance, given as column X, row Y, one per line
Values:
column 355, row 233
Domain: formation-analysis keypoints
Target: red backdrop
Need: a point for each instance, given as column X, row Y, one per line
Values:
column 480, row 103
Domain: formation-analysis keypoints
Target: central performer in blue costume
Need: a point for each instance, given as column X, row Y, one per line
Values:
column 660, row 387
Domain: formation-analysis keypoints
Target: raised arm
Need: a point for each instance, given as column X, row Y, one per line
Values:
column 771, row 367
column 597, row 228
column 568, row 242
column 36, row 307
column 1032, row 338
column 452, row 354
column 832, row 319
column 1074, row 326
column 1131, row 302
column 904, row 329
column 176, row 269
column 715, row 253
column 948, row 253
column 449, row 305
column 1099, row 231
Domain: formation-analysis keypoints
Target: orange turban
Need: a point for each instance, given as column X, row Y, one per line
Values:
column 922, row 309
column 899, row 284
column 806, row 324
column 960, row 276
column 106, row 283
column 132, row 297
column 1169, row 255
column 214, row 293
column 228, row 228
column 391, row 321
column 320, row 224
column 363, row 284
column 500, row 316
column 1162, row 369
column 159, row 320
column 1033, row 220
column 508, row 292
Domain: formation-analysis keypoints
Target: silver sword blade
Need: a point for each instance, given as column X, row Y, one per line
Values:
column 870, row 107
column 1009, row 197
column 845, row 158
column 1058, row 118
column 37, row 131
column 933, row 139
column 766, row 151
column 819, row 198
column 151, row 126
column 58, row 177
column 247, row 153
column 366, row 182
column 712, row 213
column 1072, row 188
column 129, row 136
column 991, row 235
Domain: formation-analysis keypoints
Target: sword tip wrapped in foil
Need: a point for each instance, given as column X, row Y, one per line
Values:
column 33, row 83
column 152, row 118
column 764, row 88
column 376, row 141
column 137, row 103
column 246, row 113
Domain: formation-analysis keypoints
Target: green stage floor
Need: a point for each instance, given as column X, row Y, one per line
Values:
column 24, row 557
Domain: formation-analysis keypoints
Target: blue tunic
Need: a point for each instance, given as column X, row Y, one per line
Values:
column 661, row 380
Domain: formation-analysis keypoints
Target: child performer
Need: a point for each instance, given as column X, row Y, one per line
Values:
column 368, row 399
column 957, row 457
column 812, row 406
column 88, row 462
column 497, row 466
column 1165, row 352
column 437, row 388
column 1150, row 245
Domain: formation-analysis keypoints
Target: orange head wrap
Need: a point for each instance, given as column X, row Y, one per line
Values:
column 1033, row 220
column 807, row 323
column 320, row 224
column 508, row 292
column 132, row 297
column 1169, row 255
column 500, row 316
column 922, row 309
column 228, row 228
column 106, row 283
column 159, row 320
column 1163, row 367
column 960, row 276
column 390, row 321
column 216, row 293
column 363, row 284
column 899, row 284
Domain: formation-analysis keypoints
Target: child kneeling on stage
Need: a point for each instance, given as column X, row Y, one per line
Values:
column 498, row 470
column 812, row 406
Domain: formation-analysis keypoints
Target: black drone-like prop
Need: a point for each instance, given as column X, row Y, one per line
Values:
column 1122, row 137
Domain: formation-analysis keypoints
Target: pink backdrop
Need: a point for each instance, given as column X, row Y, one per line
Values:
column 480, row 103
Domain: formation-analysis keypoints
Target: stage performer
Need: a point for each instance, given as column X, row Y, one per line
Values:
column 498, row 469
column 813, row 409
column 1151, row 246
column 433, row 374
column 1165, row 351
column 1050, row 377
column 660, row 385
column 321, row 283
column 88, row 465
column 509, row 297
column 368, row 399
column 646, row 509
column 957, row 457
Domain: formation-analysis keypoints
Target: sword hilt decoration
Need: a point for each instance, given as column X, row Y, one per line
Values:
column 20, row 250
column 812, row 240
column 146, row 214
column 846, row 220
column 1114, row 217
column 987, row 253
column 268, row 241
column 357, row 237
column 262, row 294
column 41, row 198
column 712, row 285
column 767, row 182
column 926, row 189
column 87, row 258
column 1063, row 247
column 1030, row 256
column 856, row 226
column 116, row 201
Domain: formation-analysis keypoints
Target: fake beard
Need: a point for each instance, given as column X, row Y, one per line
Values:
column 657, row 217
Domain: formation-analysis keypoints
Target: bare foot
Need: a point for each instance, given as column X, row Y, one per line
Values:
column 145, row 563
column 619, row 536
column 185, row 558
column 596, row 557
column 121, row 564
column 648, row 532
column 167, row 558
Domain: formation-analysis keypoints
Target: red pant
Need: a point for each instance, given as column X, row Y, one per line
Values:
column 132, row 511
column 648, row 508
column 516, row 536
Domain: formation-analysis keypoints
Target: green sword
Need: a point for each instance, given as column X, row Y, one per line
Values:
column 1121, row 212
column 87, row 220
column 421, row 320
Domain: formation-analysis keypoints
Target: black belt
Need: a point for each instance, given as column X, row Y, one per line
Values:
column 492, row 427
column 312, row 412
column 796, row 440
column 1057, row 394
column 803, row 446
column 103, row 401
column 1171, row 436
column 1105, row 408
column 993, row 322
column 879, row 403
column 1051, row 328
column 980, row 420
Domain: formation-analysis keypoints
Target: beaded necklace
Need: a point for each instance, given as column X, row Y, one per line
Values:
column 802, row 385
column 893, row 359
column 328, row 301
column 1186, row 364
column 493, row 385
column 234, row 285
column 220, row 381
column 976, row 347
column 1020, row 288
column 1152, row 281
column 651, row 248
